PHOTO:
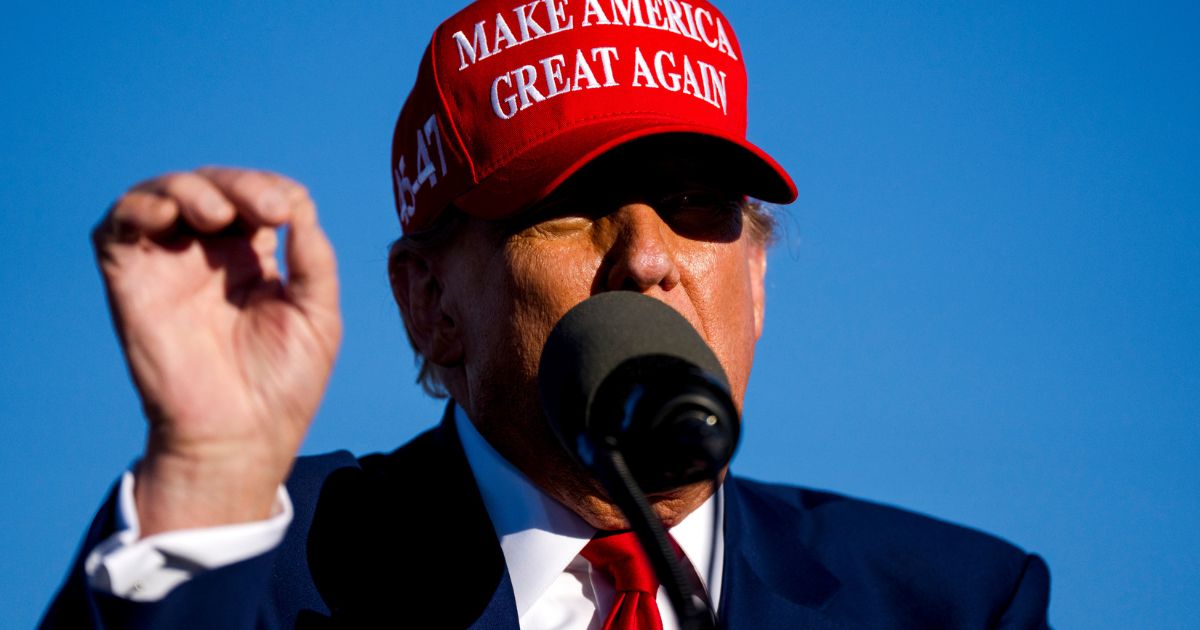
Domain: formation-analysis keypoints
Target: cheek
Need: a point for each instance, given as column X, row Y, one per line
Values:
column 720, row 287
column 544, row 282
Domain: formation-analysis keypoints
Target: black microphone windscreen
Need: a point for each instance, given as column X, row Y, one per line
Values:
column 601, row 333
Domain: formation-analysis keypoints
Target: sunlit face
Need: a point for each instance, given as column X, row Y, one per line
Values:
column 662, row 225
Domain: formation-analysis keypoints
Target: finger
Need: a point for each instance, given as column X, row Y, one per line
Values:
column 260, row 198
column 201, row 204
column 136, row 214
column 312, row 271
column 263, row 241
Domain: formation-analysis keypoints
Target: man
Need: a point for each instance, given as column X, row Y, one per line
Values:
column 550, row 150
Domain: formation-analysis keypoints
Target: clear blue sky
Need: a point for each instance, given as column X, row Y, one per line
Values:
column 986, row 306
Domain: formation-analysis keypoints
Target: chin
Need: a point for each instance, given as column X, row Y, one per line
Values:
column 671, row 507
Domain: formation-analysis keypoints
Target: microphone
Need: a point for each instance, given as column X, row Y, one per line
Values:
column 636, row 397
column 627, row 373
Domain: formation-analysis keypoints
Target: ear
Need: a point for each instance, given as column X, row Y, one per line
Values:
column 757, row 259
column 418, row 294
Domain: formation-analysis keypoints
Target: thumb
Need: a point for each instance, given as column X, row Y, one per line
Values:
column 312, row 283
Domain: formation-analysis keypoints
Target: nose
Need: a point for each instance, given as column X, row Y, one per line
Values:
column 641, row 256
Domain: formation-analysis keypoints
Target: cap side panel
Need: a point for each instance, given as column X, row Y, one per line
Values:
column 451, row 120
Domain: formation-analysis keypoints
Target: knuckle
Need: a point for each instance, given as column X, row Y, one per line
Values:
column 212, row 171
column 128, row 204
column 224, row 177
column 120, row 202
column 184, row 186
column 180, row 178
column 298, row 194
column 298, row 189
column 171, row 182
column 246, row 180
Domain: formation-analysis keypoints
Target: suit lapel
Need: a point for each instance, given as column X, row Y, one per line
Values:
column 770, row 579
column 405, row 541
column 500, row 613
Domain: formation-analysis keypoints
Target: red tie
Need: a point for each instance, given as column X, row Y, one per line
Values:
column 621, row 557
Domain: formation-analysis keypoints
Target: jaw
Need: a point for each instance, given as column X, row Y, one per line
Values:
column 552, row 470
column 670, row 507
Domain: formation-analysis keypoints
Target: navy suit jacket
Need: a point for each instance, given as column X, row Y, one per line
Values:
column 403, row 540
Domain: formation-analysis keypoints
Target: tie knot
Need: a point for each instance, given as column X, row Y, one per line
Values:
column 622, row 558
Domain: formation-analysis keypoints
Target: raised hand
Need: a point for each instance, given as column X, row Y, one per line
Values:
column 230, row 358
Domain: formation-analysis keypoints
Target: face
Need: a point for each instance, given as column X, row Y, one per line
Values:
column 648, row 221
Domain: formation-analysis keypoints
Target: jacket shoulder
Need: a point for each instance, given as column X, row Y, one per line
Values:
column 311, row 472
column 896, row 557
column 874, row 526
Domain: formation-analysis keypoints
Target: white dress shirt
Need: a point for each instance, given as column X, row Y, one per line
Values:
column 147, row 569
column 554, row 587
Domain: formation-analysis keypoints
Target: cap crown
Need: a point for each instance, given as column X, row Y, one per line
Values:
column 512, row 97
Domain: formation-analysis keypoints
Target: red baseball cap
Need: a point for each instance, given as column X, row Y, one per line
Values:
column 513, row 97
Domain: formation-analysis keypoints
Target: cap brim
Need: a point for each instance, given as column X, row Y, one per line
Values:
column 542, row 167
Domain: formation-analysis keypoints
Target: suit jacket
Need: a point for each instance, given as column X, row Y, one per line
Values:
column 403, row 540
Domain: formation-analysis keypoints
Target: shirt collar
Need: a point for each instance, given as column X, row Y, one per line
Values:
column 540, row 537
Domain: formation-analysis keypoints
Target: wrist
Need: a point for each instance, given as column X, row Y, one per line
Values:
column 175, row 490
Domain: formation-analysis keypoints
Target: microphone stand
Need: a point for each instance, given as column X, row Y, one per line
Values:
column 624, row 491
